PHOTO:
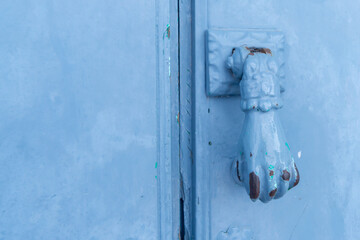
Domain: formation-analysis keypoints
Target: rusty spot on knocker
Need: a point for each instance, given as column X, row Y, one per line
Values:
column 297, row 179
column 297, row 176
column 286, row 175
column 254, row 184
column 258, row 50
column 273, row 192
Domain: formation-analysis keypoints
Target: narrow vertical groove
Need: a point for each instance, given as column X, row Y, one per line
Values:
column 182, row 211
column 195, row 200
column 185, row 100
column 157, row 49
column 182, row 221
column 167, row 102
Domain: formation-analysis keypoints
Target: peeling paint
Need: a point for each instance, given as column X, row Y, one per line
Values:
column 287, row 145
column 253, row 50
column 178, row 118
column 167, row 32
column 170, row 68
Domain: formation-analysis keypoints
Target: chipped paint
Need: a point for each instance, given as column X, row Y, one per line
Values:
column 167, row 32
column 287, row 145
column 169, row 68
column 156, row 165
column 253, row 50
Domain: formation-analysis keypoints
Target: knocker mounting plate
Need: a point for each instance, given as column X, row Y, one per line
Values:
column 219, row 45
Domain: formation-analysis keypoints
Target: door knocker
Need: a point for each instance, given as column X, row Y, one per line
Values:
column 265, row 165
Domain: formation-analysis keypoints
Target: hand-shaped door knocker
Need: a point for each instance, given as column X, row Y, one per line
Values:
column 265, row 165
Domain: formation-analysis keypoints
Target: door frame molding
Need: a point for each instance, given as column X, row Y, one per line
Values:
column 167, row 101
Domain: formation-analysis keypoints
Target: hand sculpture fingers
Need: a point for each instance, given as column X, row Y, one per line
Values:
column 284, row 177
column 273, row 186
column 266, row 183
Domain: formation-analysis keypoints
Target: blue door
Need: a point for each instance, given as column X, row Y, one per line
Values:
column 176, row 119
column 87, row 113
column 319, row 117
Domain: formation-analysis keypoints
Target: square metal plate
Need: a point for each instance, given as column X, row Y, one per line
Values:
column 219, row 45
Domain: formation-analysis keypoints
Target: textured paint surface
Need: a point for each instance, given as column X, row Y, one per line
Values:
column 320, row 119
column 79, row 124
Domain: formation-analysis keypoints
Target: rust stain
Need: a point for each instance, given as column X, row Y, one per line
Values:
column 258, row 50
column 254, row 184
column 168, row 31
column 273, row 192
column 286, row 175
column 297, row 176
column 271, row 173
column 250, row 154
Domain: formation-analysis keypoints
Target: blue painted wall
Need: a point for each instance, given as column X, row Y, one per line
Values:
column 320, row 117
column 78, row 129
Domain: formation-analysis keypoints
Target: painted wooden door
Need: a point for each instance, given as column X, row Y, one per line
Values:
column 320, row 118
column 87, row 114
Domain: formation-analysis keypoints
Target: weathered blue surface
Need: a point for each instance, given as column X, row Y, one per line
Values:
column 81, row 97
column 320, row 119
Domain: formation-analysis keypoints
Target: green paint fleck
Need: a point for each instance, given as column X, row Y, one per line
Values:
column 156, row 165
column 287, row 145
column 167, row 32
column 265, row 153
column 178, row 117
column 271, row 167
column 155, row 177
column 240, row 153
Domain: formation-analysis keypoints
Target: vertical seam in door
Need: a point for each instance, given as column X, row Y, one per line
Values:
column 185, row 116
column 181, row 200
